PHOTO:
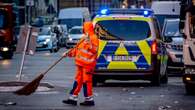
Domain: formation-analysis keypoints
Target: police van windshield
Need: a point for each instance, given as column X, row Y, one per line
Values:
column 122, row 30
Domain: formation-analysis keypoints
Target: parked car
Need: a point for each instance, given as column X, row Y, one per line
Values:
column 75, row 33
column 174, row 45
column 47, row 40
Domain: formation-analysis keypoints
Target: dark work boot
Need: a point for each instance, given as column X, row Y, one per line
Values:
column 88, row 103
column 70, row 101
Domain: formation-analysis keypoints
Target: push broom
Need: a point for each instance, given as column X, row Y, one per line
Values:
column 31, row 87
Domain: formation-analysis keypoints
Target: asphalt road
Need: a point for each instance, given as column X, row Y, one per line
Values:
column 114, row 95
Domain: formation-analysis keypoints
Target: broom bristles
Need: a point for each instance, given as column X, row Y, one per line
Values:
column 30, row 87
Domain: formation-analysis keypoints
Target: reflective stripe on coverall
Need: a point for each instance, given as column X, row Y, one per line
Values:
column 85, row 54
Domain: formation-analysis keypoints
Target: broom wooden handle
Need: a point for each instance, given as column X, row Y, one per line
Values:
column 56, row 62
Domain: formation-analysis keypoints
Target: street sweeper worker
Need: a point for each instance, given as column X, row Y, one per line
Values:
column 85, row 53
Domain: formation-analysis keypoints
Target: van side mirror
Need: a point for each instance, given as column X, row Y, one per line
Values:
column 168, row 39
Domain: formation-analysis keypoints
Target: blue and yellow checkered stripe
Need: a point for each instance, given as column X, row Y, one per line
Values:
column 140, row 48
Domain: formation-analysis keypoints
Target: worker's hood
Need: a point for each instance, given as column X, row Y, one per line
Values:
column 88, row 28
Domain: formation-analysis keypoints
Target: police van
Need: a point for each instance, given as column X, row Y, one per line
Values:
column 130, row 46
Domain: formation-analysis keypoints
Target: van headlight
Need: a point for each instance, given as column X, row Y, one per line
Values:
column 189, row 71
column 70, row 39
column 47, row 40
column 5, row 49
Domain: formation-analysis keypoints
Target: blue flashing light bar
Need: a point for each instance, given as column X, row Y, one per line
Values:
column 144, row 12
column 104, row 11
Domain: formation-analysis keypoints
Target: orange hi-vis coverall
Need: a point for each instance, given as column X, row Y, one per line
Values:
column 85, row 54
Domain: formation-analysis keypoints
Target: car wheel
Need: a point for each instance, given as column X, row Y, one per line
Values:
column 56, row 50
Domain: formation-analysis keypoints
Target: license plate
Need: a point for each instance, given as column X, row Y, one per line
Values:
column 123, row 58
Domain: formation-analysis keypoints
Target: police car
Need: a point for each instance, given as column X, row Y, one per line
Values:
column 130, row 46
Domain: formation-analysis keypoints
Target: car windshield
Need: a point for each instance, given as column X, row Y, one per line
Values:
column 2, row 20
column 161, row 18
column 122, row 30
column 76, row 31
column 172, row 29
column 71, row 22
column 44, row 31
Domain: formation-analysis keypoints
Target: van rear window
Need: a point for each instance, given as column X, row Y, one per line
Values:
column 122, row 30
